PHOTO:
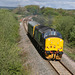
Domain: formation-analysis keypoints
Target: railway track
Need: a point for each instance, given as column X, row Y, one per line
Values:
column 60, row 68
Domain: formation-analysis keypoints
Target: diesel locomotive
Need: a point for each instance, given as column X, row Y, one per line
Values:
column 48, row 39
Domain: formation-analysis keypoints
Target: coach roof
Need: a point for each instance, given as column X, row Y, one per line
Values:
column 33, row 23
column 43, row 28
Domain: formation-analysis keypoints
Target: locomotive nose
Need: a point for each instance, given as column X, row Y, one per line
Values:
column 54, row 44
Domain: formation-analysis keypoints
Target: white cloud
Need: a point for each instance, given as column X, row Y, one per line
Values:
column 69, row 4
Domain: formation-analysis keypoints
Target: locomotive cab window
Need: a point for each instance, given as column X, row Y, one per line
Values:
column 53, row 32
column 49, row 33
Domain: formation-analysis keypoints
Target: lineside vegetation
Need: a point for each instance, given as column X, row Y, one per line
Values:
column 10, row 62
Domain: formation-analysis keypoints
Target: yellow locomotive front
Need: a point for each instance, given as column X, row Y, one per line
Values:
column 53, row 45
column 53, row 48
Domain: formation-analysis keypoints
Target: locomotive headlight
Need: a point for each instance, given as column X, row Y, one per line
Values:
column 50, row 46
column 60, row 47
column 54, row 46
column 48, row 39
column 47, row 47
column 60, row 40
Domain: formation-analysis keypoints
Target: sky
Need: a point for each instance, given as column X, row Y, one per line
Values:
column 65, row 4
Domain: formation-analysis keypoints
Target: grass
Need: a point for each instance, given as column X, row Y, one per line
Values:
column 69, row 51
column 71, row 55
column 10, row 62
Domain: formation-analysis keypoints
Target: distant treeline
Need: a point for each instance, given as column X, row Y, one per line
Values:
column 4, row 7
column 60, row 19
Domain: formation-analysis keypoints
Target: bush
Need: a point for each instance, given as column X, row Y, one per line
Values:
column 9, row 53
column 64, row 25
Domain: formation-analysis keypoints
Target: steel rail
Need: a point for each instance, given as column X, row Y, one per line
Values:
column 60, row 68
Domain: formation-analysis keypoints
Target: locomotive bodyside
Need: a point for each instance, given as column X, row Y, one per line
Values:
column 48, row 39
column 31, row 27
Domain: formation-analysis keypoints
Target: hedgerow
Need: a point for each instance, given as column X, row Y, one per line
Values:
column 10, row 62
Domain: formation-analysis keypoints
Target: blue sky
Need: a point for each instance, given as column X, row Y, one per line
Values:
column 65, row 4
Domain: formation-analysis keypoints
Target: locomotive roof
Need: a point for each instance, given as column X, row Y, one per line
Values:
column 43, row 28
column 33, row 23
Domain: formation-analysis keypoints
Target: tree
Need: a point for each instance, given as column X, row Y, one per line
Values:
column 64, row 25
column 49, row 11
column 34, row 9
column 72, row 36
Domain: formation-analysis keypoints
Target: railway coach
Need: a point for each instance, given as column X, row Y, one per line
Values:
column 48, row 39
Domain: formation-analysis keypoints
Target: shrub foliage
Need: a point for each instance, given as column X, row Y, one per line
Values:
column 9, row 53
